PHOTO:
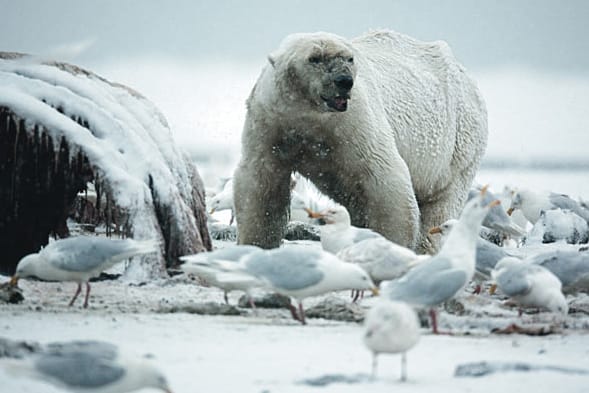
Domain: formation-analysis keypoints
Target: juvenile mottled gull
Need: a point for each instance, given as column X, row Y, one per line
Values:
column 533, row 203
column 442, row 276
column 88, row 366
column 79, row 259
column 381, row 258
column 487, row 253
column 196, row 264
column 530, row 285
column 391, row 327
column 338, row 232
column 571, row 268
column 295, row 271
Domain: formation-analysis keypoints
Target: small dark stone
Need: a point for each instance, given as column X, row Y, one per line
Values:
column 271, row 300
column 454, row 307
column 224, row 232
column 209, row 308
column 296, row 230
column 10, row 294
column 329, row 379
column 336, row 309
column 105, row 277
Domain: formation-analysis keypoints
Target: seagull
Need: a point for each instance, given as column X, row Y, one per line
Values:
column 571, row 268
column 532, row 204
column 223, row 200
column 487, row 253
column 88, row 366
column 79, row 259
column 498, row 219
column 391, row 327
column 529, row 285
column 196, row 264
column 295, row 271
column 443, row 275
column 338, row 231
column 382, row 259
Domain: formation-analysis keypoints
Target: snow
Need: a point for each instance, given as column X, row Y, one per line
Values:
column 271, row 352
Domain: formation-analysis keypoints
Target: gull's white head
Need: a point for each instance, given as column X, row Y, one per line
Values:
column 558, row 303
column 337, row 215
column 26, row 267
column 445, row 228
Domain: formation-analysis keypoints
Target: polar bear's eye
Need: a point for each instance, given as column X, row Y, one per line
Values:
column 350, row 59
column 314, row 59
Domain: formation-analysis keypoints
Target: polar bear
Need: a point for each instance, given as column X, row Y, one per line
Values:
column 386, row 125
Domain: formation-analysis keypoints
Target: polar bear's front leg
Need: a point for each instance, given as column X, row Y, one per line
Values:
column 391, row 207
column 261, row 195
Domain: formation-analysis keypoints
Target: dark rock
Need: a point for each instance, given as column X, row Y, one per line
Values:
column 296, row 230
column 223, row 232
column 271, row 300
column 454, row 307
column 10, row 293
column 336, row 309
column 329, row 379
column 208, row 308
column 480, row 369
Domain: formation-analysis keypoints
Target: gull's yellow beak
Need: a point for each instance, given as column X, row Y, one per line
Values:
column 484, row 189
column 435, row 230
column 313, row 214
column 212, row 211
column 375, row 291
column 493, row 289
column 510, row 211
column 494, row 203
column 14, row 280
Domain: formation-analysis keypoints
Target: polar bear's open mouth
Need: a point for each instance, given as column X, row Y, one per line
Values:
column 339, row 103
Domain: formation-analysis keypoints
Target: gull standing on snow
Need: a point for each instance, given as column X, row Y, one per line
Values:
column 88, row 366
column 295, row 271
column 487, row 253
column 338, row 232
column 197, row 264
column 79, row 259
column 529, row 285
column 571, row 268
column 391, row 327
column 443, row 275
column 381, row 258
column 532, row 204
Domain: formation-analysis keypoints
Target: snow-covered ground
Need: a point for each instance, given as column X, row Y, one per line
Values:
column 269, row 352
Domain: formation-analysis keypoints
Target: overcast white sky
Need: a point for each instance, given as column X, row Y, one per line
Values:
column 530, row 57
column 547, row 34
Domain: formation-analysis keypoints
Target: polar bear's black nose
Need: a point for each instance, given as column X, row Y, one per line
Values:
column 344, row 81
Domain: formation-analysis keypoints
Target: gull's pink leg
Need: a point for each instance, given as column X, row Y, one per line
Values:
column 76, row 295
column 302, row 313
column 434, row 316
column 293, row 312
column 87, row 295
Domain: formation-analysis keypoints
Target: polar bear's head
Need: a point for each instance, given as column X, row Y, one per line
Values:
column 316, row 70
